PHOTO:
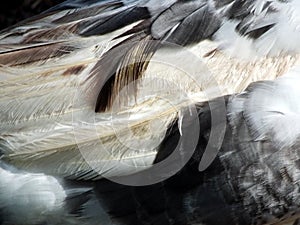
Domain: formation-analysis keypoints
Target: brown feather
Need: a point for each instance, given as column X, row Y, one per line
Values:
column 57, row 33
column 75, row 70
column 34, row 54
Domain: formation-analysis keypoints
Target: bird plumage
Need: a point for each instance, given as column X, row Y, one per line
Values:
column 106, row 89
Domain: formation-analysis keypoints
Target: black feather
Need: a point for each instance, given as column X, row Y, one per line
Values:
column 259, row 32
column 114, row 22
column 86, row 13
column 240, row 9
column 127, row 63
column 75, row 4
column 222, row 3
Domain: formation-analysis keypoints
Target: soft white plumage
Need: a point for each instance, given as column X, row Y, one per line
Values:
column 27, row 198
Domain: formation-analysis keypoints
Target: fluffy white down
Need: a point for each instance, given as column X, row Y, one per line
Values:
column 272, row 109
column 27, row 198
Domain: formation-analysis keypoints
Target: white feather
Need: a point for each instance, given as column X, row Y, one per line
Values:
column 272, row 109
column 282, row 38
column 30, row 198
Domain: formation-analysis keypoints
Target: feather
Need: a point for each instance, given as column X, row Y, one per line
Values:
column 68, row 65
column 104, row 89
column 130, row 66
column 59, row 202
column 276, row 118
column 34, row 54
column 249, row 180
column 114, row 22
column 83, row 148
